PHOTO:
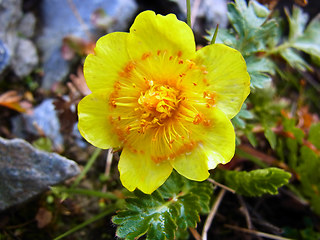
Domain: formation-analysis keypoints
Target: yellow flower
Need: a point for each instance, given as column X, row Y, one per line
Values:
column 166, row 104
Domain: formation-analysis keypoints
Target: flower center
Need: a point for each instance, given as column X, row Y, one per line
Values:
column 157, row 104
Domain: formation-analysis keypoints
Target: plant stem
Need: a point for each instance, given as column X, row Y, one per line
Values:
column 107, row 195
column 278, row 48
column 221, row 185
column 188, row 13
column 213, row 40
column 92, row 159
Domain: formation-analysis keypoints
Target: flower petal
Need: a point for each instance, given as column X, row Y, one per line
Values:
column 192, row 165
column 227, row 75
column 94, row 123
column 137, row 170
column 217, row 146
column 157, row 33
column 102, row 68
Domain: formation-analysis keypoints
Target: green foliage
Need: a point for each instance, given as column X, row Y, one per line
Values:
column 301, row 37
column 174, row 206
column 314, row 135
column 239, row 120
column 271, row 137
column 308, row 170
column 258, row 37
column 252, row 33
column 307, row 233
column 303, row 159
column 257, row 182
column 43, row 143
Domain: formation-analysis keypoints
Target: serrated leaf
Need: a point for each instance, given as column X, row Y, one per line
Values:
column 257, row 182
column 306, row 40
column 310, row 42
column 175, row 205
column 244, row 17
column 297, row 22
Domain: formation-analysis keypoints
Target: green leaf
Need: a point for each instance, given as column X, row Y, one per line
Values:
column 297, row 22
column 174, row 206
column 244, row 114
column 314, row 135
column 308, row 170
column 244, row 18
column 310, row 41
column 271, row 137
column 306, row 40
column 289, row 126
column 43, row 143
column 257, row 182
column 252, row 138
column 294, row 59
column 258, row 69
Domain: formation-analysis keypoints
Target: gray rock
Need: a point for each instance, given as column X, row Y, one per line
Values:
column 79, row 140
column 25, row 58
column 15, row 29
column 4, row 56
column 43, row 117
column 27, row 25
column 209, row 14
column 58, row 20
column 25, row 171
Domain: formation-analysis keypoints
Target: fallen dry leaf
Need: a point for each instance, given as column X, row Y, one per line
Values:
column 43, row 217
column 11, row 99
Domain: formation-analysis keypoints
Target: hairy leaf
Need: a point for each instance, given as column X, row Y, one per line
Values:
column 174, row 206
column 257, row 182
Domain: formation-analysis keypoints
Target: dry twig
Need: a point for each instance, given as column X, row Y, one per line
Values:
column 195, row 233
column 108, row 167
column 257, row 233
column 245, row 211
column 212, row 213
column 221, row 185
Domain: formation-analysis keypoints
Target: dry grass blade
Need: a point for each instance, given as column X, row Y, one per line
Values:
column 257, row 233
column 11, row 99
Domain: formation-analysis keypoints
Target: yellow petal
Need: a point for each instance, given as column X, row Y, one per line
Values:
column 217, row 145
column 94, row 121
column 157, row 34
column 102, row 68
column 219, row 139
column 137, row 170
column 227, row 76
column 192, row 165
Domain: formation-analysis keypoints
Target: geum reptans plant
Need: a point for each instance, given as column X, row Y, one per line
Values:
column 167, row 105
